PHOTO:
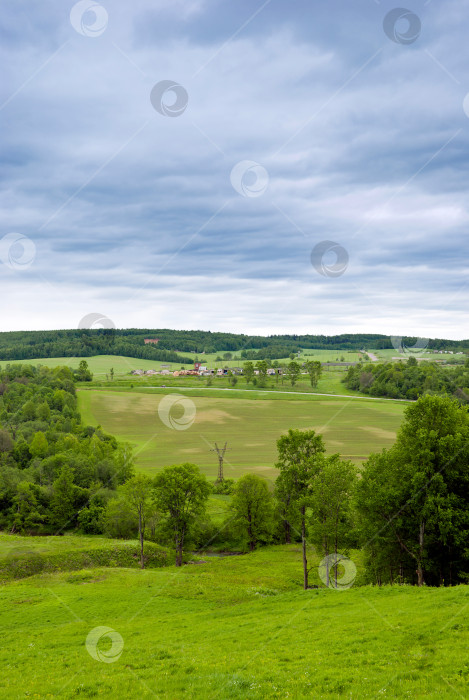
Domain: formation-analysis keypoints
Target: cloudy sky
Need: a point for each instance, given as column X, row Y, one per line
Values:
column 243, row 165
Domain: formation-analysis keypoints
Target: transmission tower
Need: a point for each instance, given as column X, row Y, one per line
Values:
column 221, row 456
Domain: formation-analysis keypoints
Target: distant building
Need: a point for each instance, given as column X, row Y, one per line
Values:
column 151, row 340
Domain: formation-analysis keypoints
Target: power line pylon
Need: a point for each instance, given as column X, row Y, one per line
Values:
column 221, row 456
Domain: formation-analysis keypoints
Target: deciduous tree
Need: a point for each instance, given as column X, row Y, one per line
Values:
column 180, row 494
column 253, row 511
column 299, row 461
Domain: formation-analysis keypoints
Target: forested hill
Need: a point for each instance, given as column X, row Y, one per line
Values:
column 171, row 346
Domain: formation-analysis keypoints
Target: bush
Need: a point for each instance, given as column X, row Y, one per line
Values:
column 223, row 488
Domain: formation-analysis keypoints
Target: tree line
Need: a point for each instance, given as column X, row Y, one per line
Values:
column 171, row 346
column 51, row 465
column 410, row 379
column 407, row 509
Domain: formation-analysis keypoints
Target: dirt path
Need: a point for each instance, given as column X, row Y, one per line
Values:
column 273, row 391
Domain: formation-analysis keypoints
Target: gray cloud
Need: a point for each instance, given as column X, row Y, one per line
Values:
column 133, row 213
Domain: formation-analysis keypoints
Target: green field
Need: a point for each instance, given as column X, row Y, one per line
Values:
column 353, row 427
column 236, row 628
column 388, row 355
column 101, row 364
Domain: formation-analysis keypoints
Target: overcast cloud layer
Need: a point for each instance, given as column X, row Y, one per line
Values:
column 360, row 136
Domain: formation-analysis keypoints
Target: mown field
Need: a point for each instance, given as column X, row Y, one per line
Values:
column 235, row 628
column 353, row 427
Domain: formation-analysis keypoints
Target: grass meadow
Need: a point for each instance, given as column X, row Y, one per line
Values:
column 100, row 365
column 239, row 627
column 353, row 427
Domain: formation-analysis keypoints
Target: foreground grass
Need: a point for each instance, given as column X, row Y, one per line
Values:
column 239, row 627
column 353, row 427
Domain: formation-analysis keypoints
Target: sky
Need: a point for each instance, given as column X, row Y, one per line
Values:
column 258, row 166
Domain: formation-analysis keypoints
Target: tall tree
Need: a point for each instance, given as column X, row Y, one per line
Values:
column 314, row 369
column 418, row 492
column 248, row 371
column 299, row 461
column 181, row 493
column 293, row 372
column 137, row 492
column 253, row 511
column 330, row 523
column 63, row 499
column 262, row 368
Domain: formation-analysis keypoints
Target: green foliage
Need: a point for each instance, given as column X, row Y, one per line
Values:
column 224, row 487
column 39, row 446
column 136, row 492
column 409, row 380
column 293, row 372
column 120, row 520
column 415, row 497
column 50, row 464
column 30, row 556
column 261, row 367
column 83, row 374
column 300, row 457
column 314, row 369
column 330, row 521
column 180, row 494
column 248, row 371
column 253, row 510
column 91, row 519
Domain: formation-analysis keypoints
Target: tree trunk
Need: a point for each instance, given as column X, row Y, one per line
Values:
column 303, row 543
column 140, row 534
column 287, row 529
column 179, row 549
column 251, row 537
column 420, row 558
